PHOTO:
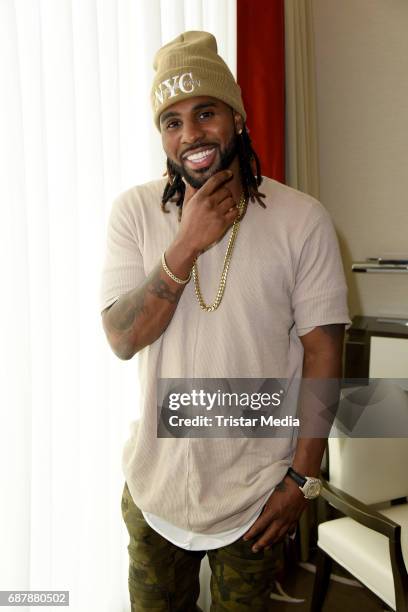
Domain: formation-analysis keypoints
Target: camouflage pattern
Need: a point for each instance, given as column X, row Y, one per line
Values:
column 242, row 580
column 163, row 576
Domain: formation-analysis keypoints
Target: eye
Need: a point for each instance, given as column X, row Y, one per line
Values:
column 171, row 125
column 207, row 114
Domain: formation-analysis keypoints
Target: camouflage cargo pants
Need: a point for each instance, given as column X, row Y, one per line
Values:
column 163, row 576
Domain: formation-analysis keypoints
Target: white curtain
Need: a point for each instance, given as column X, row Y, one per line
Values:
column 302, row 158
column 75, row 130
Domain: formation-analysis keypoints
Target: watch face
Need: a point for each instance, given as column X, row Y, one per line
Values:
column 312, row 488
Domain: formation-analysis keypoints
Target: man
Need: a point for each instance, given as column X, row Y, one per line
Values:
column 270, row 259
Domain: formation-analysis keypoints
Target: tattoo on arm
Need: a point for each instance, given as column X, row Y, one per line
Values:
column 161, row 290
column 128, row 311
column 134, row 305
column 281, row 487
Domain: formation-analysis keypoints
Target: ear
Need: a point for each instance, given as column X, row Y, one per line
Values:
column 239, row 123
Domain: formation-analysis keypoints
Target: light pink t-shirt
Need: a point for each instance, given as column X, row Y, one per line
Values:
column 285, row 278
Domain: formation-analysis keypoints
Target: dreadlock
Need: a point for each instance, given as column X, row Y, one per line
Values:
column 247, row 159
column 248, row 162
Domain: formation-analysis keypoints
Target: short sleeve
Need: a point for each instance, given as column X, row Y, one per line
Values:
column 320, row 293
column 123, row 265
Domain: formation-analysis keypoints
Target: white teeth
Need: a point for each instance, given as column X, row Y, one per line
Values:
column 199, row 156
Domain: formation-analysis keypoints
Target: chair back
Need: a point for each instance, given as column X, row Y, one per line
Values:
column 372, row 470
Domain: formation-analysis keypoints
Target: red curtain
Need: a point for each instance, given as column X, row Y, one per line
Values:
column 261, row 76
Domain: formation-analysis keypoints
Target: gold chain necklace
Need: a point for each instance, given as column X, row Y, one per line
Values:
column 227, row 261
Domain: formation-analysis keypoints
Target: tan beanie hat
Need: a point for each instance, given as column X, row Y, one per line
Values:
column 190, row 66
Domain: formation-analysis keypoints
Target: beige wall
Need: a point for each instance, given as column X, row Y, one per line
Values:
column 362, row 101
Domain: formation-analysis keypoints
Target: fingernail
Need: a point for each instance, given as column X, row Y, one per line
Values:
column 255, row 549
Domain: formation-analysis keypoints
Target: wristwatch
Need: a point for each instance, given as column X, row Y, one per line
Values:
column 309, row 486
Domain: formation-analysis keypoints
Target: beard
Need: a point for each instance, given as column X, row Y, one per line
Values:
column 227, row 156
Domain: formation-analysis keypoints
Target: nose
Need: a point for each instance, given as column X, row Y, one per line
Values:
column 192, row 132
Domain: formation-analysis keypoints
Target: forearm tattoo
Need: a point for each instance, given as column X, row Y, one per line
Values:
column 160, row 289
column 132, row 306
column 281, row 487
column 129, row 309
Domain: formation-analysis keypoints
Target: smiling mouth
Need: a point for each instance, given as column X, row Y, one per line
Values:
column 201, row 158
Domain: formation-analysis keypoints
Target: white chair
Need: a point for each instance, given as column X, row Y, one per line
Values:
column 370, row 544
